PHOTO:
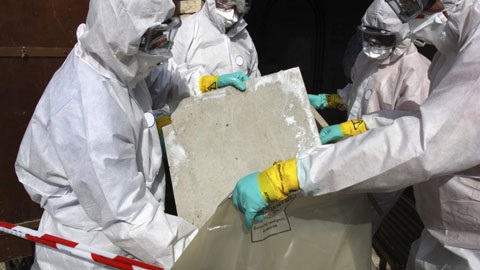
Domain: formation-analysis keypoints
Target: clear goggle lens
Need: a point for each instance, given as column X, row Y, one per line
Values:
column 377, row 38
column 160, row 37
column 409, row 9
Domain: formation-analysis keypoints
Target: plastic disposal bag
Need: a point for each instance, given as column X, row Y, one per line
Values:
column 326, row 232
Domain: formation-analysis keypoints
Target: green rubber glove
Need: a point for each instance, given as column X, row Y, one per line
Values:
column 331, row 134
column 326, row 101
column 337, row 132
column 319, row 101
column 235, row 79
column 248, row 199
column 252, row 192
column 211, row 82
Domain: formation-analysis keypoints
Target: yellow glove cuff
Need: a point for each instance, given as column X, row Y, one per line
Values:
column 334, row 101
column 208, row 83
column 163, row 121
column 277, row 181
column 353, row 127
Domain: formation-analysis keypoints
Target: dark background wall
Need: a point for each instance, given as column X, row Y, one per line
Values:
column 310, row 34
column 35, row 36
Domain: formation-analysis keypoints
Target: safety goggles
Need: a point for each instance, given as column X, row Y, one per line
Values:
column 409, row 9
column 160, row 37
column 377, row 38
column 241, row 6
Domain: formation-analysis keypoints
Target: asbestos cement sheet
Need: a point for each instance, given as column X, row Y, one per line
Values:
column 221, row 136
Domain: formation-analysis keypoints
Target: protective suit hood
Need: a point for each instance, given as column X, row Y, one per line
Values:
column 380, row 15
column 461, row 19
column 211, row 12
column 110, row 37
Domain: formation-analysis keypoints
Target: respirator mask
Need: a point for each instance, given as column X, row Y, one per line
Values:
column 230, row 11
column 377, row 43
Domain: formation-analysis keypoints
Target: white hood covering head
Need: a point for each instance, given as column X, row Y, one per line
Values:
column 381, row 16
column 218, row 21
column 112, row 35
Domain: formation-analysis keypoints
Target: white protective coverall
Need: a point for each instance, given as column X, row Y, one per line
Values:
column 436, row 148
column 204, row 47
column 91, row 153
column 399, row 82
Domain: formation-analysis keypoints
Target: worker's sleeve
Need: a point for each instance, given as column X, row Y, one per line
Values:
column 344, row 93
column 172, row 81
column 191, row 75
column 384, row 117
column 441, row 138
column 98, row 144
column 167, row 85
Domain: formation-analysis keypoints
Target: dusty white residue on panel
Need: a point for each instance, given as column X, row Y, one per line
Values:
column 259, row 84
column 302, row 138
column 289, row 120
column 177, row 151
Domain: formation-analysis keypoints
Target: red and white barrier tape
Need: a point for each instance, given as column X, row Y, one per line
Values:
column 79, row 250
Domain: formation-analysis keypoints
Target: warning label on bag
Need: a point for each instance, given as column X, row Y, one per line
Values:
column 275, row 220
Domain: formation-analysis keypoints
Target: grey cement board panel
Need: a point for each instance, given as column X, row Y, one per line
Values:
column 221, row 136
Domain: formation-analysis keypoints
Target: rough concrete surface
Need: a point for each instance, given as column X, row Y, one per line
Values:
column 221, row 136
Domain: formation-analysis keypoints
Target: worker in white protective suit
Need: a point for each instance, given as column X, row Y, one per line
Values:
column 390, row 74
column 215, row 41
column 91, row 153
column 436, row 149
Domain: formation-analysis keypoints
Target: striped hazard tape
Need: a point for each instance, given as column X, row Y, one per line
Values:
column 76, row 249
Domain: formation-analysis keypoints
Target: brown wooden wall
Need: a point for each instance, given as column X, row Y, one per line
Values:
column 35, row 37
